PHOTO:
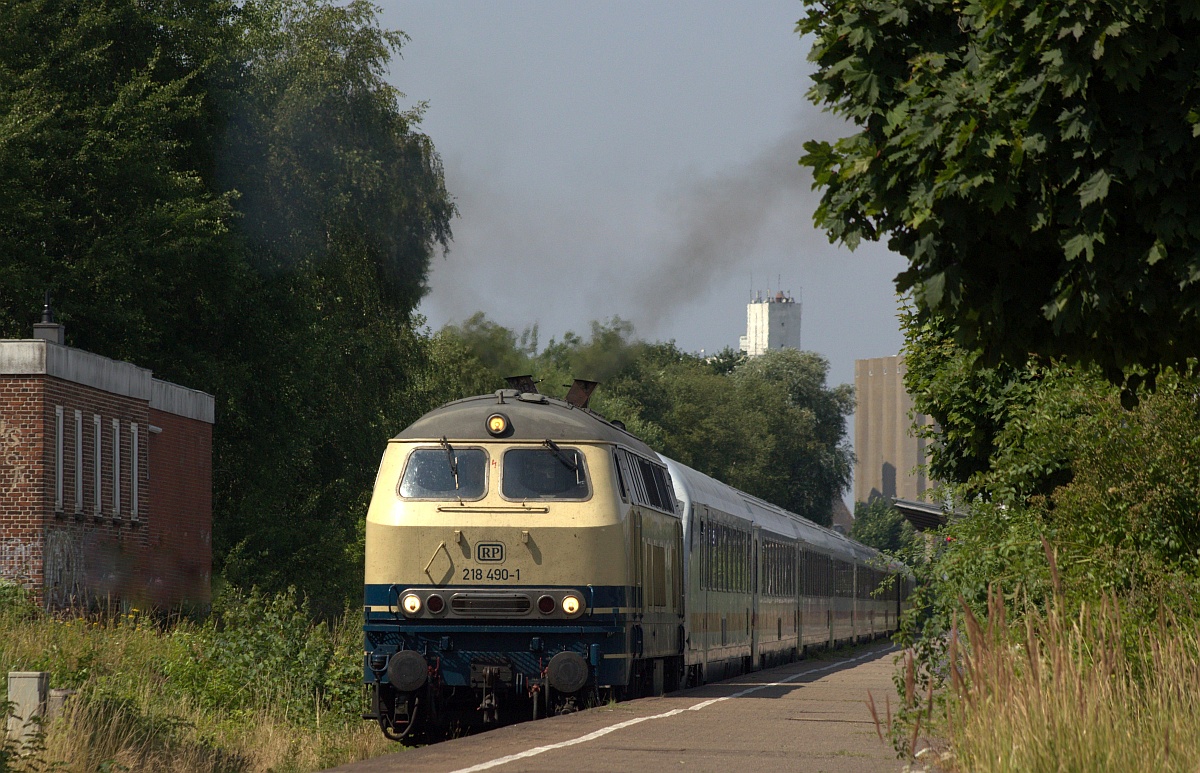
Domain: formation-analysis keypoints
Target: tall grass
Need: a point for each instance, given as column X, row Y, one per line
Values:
column 258, row 686
column 1072, row 696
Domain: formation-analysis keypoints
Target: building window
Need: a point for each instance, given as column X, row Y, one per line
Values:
column 116, row 467
column 96, row 467
column 133, row 471
column 58, row 458
column 78, row 461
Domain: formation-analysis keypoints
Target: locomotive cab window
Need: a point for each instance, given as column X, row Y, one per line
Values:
column 552, row 472
column 445, row 473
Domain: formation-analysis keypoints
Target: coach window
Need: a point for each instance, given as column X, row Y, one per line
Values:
column 445, row 473
column 555, row 472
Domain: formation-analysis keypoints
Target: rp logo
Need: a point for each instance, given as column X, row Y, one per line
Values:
column 489, row 552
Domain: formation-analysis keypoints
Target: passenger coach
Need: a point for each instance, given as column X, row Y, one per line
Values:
column 526, row 556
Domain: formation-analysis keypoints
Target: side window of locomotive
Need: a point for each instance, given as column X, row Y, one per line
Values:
column 544, row 473
column 435, row 473
column 620, row 478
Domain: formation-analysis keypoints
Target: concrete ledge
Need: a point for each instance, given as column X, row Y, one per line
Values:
column 181, row 401
column 36, row 357
column 43, row 358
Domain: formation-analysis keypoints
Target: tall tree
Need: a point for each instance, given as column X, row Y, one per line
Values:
column 105, row 134
column 1035, row 163
column 343, row 204
column 231, row 194
column 809, row 464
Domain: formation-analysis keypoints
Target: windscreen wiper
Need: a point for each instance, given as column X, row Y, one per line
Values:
column 452, row 459
column 567, row 461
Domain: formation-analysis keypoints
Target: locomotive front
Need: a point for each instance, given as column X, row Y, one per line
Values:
column 497, row 567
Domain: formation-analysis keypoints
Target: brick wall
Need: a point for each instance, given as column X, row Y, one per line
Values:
column 134, row 528
column 93, row 547
column 180, row 514
column 22, row 494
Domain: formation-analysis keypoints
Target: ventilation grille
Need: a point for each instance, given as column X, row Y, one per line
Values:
column 490, row 604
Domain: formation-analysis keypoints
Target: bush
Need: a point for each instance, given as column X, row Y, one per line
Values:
column 257, row 686
column 1121, row 529
column 264, row 650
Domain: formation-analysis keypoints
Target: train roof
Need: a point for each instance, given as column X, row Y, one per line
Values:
column 531, row 417
column 693, row 486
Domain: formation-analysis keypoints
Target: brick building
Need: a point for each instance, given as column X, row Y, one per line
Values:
column 105, row 478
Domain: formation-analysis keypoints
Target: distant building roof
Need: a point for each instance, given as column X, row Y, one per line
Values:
column 924, row 515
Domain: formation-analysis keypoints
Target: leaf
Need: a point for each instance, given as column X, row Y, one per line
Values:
column 1094, row 188
column 1077, row 244
column 933, row 289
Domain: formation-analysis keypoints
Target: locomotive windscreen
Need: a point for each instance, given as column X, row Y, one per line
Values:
column 429, row 474
column 543, row 473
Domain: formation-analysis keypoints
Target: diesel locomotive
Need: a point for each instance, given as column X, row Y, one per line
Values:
column 525, row 556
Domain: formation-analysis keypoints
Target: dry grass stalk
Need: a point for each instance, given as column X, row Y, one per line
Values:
column 1066, row 697
column 874, row 715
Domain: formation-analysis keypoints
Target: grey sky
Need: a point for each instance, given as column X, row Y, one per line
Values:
column 634, row 159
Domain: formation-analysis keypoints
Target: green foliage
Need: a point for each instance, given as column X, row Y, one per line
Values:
column 768, row 425
column 256, row 686
column 229, row 194
column 726, row 360
column 103, row 119
column 1125, row 522
column 17, row 756
column 265, row 650
column 15, row 601
column 1001, row 432
column 332, row 176
column 1070, row 496
column 494, row 346
column 879, row 525
column 342, row 205
column 808, row 460
column 1033, row 162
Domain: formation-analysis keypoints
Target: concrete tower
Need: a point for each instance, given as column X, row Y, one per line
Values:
column 890, row 458
column 771, row 323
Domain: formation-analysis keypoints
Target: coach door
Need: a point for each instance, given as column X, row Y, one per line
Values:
column 700, row 619
column 755, row 573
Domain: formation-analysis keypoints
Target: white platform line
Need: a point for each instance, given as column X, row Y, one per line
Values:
column 637, row 720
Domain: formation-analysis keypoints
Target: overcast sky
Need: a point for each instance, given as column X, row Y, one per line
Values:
column 635, row 159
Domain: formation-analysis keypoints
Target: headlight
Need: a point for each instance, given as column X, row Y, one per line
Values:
column 497, row 424
column 411, row 604
column 571, row 604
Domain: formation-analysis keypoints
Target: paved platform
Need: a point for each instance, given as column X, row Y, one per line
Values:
column 806, row 716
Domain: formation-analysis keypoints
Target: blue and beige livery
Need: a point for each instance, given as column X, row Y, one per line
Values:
column 526, row 556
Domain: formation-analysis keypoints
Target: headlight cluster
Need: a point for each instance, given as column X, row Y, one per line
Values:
column 411, row 604
column 473, row 603
column 571, row 605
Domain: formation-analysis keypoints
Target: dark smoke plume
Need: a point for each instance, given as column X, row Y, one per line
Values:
column 723, row 219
